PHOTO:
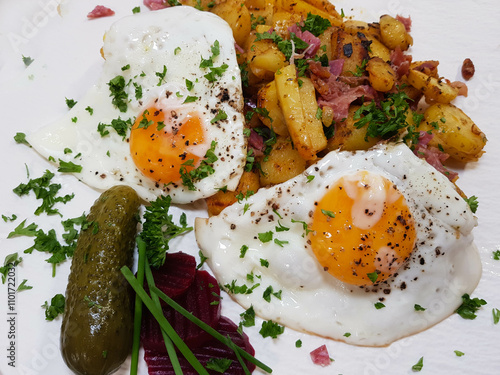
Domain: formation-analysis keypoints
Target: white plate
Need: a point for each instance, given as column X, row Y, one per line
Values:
column 67, row 62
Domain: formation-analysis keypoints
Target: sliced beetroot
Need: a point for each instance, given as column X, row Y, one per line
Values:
column 159, row 363
column 202, row 299
column 176, row 274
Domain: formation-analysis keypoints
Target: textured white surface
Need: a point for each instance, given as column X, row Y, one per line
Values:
column 67, row 62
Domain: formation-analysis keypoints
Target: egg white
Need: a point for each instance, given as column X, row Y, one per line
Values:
column 139, row 48
column 443, row 266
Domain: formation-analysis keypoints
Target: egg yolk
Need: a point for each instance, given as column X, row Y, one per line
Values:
column 161, row 149
column 362, row 229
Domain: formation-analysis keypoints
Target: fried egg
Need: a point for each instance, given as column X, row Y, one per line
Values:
column 165, row 116
column 347, row 249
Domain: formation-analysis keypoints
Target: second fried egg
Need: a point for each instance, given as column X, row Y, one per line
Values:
column 347, row 249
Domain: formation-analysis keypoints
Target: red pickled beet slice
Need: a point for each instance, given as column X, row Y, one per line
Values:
column 159, row 363
column 202, row 298
column 176, row 274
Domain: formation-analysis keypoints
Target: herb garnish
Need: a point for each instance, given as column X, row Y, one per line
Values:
column 55, row 308
column 468, row 308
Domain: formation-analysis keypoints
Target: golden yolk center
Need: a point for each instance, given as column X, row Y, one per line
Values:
column 160, row 147
column 362, row 229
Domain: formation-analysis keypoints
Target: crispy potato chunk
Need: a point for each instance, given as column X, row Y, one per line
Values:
column 283, row 163
column 380, row 74
column 350, row 48
column 432, row 88
column 267, row 98
column 249, row 182
column 310, row 107
column 349, row 138
column 289, row 98
column 393, row 33
column 454, row 132
column 236, row 14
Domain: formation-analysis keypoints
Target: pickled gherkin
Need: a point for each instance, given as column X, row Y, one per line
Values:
column 97, row 328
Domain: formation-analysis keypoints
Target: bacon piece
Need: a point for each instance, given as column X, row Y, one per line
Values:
column 308, row 37
column 156, row 4
column 406, row 21
column 159, row 363
column 320, row 356
column 336, row 66
column 100, row 11
column 400, row 62
column 256, row 142
column 468, row 69
column 433, row 155
column 202, row 298
column 462, row 88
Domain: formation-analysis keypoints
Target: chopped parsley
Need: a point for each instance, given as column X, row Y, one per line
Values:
column 473, row 203
column 384, row 119
column 496, row 254
column 468, row 308
column 310, row 178
column 68, row 151
column 204, row 170
column 161, row 75
column 417, row 367
column 70, row 102
column 265, row 237
column 347, row 334
column 243, row 251
column 136, row 10
column 11, row 260
column 44, row 190
column 220, row 116
column 379, row 305
column 159, row 228
column 271, row 329
column 328, row 213
column 298, row 343
column 21, row 138
column 74, row 119
column 280, row 243
column 270, row 292
column 458, row 353
column 248, row 317
column 27, row 60
column 315, row 24
column 177, row 50
column 121, row 127
column 90, row 110
column 281, row 228
column 125, row 67
column 304, row 225
column 55, row 308
column 138, row 91
column 373, row 276
column 419, row 308
column 7, row 218
column 68, row 167
column 214, row 72
column 219, row 364
column 203, row 259
column 190, row 99
column 23, row 286
column 239, row 289
column 120, row 97
column 264, row 263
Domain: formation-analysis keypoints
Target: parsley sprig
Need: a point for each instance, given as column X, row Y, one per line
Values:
column 159, row 228
column 384, row 120
column 204, row 170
